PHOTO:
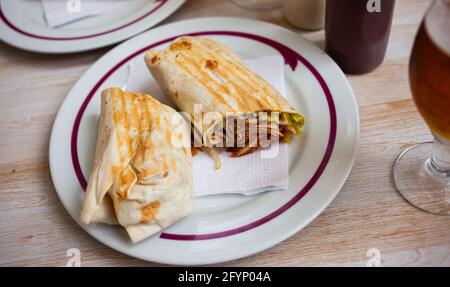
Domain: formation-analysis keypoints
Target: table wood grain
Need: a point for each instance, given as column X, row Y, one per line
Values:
column 368, row 213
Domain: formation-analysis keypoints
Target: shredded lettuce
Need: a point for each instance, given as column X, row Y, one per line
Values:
column 295, row 123
column 297, row 118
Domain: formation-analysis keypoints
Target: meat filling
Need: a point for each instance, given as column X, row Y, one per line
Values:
column 241, row 135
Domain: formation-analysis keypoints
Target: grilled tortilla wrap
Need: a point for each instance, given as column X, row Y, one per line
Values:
column 141, row 176
column 197, row 70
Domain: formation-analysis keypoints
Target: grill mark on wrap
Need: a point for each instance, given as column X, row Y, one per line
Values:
column 117, row 118
column 270, row 92
column 228, row 69
column 189, row 56
column 200, row 77
column 205, row 55
column 237, row 93
column 127, row 179
column 253, row 82
column 136, row 123
column 233, row 65
column 240, row 94
column 225, row 53
column 126, row 125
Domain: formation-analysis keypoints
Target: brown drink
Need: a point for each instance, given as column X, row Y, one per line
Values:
column 357, row 33
column 422, row 171
column 429, row 75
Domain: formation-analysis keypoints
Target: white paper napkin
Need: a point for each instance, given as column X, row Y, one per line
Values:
column 260, row 171
column 60, row 12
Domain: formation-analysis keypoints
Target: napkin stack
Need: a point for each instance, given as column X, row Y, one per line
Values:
column 60, row 12
column 260, row 171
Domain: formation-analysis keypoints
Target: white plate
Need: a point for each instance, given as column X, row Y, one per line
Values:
column 222, row 228
column 22, row 24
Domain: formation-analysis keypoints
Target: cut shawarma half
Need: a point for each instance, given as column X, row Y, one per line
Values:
column 142, row 172
column 203, row 76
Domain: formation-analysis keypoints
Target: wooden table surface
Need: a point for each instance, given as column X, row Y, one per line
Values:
column 367, row 213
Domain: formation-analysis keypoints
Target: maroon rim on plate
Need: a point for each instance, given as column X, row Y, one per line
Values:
column 28, row 34
column 291, row 58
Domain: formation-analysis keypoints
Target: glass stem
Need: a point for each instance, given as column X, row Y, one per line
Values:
column 439, row 164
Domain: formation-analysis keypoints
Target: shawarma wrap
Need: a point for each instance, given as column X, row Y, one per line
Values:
column 200, row 71
column 142, row 175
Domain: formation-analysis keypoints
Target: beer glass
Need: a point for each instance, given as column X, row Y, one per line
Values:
column 422, row 172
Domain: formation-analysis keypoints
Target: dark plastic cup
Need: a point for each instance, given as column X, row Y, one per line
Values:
column 357, row 33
